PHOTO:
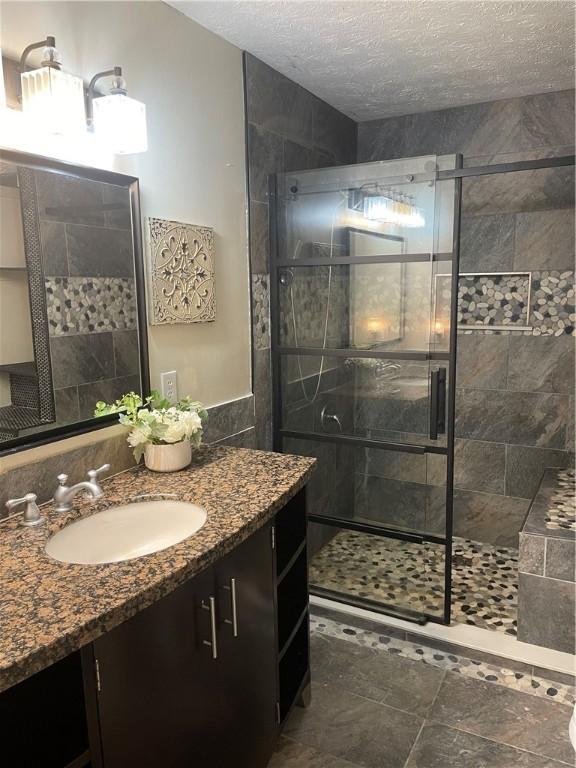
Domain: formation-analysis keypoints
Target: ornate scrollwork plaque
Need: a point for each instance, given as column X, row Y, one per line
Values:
column 182, row 272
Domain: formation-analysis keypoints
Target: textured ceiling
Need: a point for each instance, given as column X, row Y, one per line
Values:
column 393, row 57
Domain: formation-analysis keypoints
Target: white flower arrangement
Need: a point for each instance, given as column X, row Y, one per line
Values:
column 155, row 421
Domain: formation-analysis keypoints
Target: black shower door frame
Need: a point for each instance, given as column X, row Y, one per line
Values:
column 457, row 174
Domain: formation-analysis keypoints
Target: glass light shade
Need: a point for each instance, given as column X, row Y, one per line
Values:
column 120, row 123
column 54, row 100
column 389, row 211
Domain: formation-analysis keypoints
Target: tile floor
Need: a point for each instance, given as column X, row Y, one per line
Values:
column 484, row 577
column 373, row 708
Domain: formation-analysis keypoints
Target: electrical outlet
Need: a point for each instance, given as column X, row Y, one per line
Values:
column 169, row 385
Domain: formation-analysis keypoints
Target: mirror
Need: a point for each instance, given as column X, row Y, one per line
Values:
column 72, row 308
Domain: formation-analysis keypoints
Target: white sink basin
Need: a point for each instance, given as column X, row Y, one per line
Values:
column 126, row 532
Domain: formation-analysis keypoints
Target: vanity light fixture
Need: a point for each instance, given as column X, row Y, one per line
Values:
column 393, row 208
column 52, row 99
column 117, row 120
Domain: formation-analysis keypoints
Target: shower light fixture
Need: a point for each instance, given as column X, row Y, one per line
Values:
column 52, row 99
column 393, row 208
column 116, row 119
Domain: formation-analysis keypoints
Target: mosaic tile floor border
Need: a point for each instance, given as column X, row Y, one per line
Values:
column 478, row 670
column 484, row 577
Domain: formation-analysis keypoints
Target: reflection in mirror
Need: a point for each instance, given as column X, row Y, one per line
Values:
column 68, row 299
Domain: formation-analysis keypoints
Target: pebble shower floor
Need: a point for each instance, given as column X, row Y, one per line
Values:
column 484, row 577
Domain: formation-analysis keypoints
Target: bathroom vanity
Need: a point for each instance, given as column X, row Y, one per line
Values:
column 189, row 656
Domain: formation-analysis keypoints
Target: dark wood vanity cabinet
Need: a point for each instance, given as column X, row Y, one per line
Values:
column 203, row 678
column 191, row 680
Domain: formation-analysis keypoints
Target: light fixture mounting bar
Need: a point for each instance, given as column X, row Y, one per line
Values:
column 49, row 42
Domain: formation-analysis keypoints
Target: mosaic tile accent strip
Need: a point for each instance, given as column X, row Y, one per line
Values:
column 491, row 673
column 562, row 511
column 553, row 305
column 261, row 311
column 494, row 300
column 182, row 272
column 484, row 577
column 90, row 304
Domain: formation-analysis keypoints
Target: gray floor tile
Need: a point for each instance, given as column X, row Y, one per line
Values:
column 503, row 715
column 383, row 677
column 439, row 746
column 354, row 729
column 290, row 754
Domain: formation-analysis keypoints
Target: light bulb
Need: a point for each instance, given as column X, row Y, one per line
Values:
column 120, row 123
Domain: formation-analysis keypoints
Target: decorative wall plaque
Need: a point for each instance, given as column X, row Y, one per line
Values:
column 181, row 272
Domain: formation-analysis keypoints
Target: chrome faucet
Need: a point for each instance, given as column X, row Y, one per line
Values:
column 64, row 495
column 32, row 515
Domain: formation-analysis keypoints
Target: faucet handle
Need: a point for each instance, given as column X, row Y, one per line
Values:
column 32, row 514
column 93, row 473
column 62, row 479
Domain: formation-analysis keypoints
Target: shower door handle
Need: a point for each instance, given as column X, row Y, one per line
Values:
column 437, row 403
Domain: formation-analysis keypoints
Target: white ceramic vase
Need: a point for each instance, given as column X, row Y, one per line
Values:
column 168, row 457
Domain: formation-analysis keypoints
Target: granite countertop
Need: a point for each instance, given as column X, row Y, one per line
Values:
column 49, row 609
column 553, row 509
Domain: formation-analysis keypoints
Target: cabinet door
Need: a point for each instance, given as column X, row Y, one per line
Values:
column 247, row 649
column 158, row 700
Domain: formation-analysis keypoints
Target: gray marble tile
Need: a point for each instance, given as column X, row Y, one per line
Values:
column 229, row 419
column 400, row 683
column 99, row 252
column 570, row 426
column 107, row 390
column 40, row 477
column 334, row 132
column 297, row 157
column 525, row 465
column 391, row 502
column 439, row 746
column 504, row 715
column 245, row 439
column 544, row 240
column 560, row 559
column 482, row 361
column 66, row 402
column 265, row 156
column 277, row 103
column 126, row 352
column 408, row 467
column 262, row 387
column 519, row 191
column 120, row 217
column 354, row 729
column 479, row 466
column 259, row 241
column 531, row 554
column 80, row 359
column 546, row 612
column 290, row 754
column 69, row 199
column 487, row 243
column 548, row 119
column 500, row 417
column 382, row 139
column 488, row 517
column 542, row 364
column 54, row 252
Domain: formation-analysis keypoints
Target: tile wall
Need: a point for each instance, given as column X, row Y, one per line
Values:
column 515, row 396
column 88, row 262
column 288, row 129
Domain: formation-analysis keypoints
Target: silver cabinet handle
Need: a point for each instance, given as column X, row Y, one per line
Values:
column 212, row 608
column 234, row 620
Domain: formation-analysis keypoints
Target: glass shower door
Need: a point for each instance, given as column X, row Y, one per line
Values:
column 361, row 313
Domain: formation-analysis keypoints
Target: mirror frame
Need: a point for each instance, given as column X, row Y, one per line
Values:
column 39, row 163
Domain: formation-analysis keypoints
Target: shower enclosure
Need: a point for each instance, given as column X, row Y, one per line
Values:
column 364, row 284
